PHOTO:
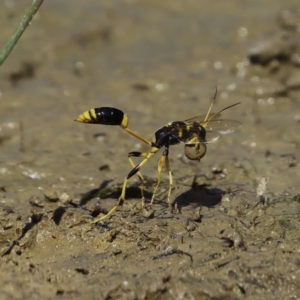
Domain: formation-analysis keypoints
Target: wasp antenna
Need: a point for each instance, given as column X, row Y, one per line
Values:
column 213, row 116
column 211, row 104
column 216, row 92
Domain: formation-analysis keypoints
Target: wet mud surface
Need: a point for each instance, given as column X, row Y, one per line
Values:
column 236, row 234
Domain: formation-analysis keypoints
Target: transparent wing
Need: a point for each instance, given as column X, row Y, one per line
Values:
column 212, row 124
column 223, row 126
column 214, row 128
column 201, row 118
column 210, row 116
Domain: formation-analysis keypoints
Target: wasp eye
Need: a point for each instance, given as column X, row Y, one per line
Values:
column 194, row 151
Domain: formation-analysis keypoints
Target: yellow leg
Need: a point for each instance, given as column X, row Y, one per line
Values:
column 135, row 170
column 121, row 200
column 170, row 179
column 141, row 179
column 105, row 216
column 159, row 167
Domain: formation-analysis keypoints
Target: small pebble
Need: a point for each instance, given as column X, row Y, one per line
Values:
column 65, row 198
column 51, row 195
column 36, row 201
column 147, row 213
column 197, row 214
column 117, row 251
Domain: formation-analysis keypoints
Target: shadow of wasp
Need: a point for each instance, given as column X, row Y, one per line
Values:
column 194, row 133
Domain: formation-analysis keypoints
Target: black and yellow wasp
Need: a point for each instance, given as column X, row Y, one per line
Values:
column 194, row 133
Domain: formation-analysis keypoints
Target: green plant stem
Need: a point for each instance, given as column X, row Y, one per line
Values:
column 20, row 29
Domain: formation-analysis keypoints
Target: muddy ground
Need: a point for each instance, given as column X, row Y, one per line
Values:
column 237, row 232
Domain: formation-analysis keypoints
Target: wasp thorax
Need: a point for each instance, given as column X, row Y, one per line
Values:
column 194, row 151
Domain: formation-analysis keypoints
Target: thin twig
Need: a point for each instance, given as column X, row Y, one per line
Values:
column 20, row 29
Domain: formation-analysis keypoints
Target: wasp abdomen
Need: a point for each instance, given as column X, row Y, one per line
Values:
column 107, row 116
column 104, row 116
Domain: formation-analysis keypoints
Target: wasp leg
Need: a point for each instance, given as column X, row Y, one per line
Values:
column 135, row 170
column 170, row 179
column 159, row 168
column 138, row 154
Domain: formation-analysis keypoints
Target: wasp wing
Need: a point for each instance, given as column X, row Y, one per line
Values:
column 201, row 118
column 212, row 124
column 223, row 126
column 213, row 128
column 210, row 116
